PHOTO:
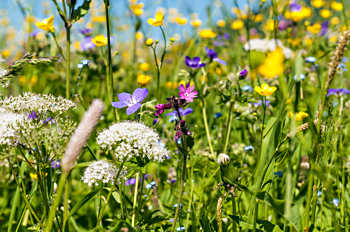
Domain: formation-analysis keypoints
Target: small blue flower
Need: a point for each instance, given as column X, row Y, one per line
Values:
column 247, row 88
column 310, row 59
column 279, row 174
column 181, row 228
column 80, row 66
column 319, row 193
column 300, row 78
column 151, row 185
column 335, row 202
column 175, row 206
column 249, row 148
column 217, row 115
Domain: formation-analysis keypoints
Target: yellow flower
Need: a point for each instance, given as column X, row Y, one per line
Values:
column 5, row 53
column 144, row 66
column 137, row 9
column 335, row 21
column 46, row 24
column 333, row 39
column 265, row 89
column 181, row 21
column 143, row 80
column 258, row 18
column 33, row 80
column 149, row 42
column 99, row 19
column 100, row 40
column 317, row 3
column 196, row 23
column 207, row 34
column 337, row 6
column 221, row 23
column 314, row 29
column 300, row 116
column 325, row 13
column 308, row 41
column 157, row 20
column 269, row 25
column 33, row 176
column 139, row 35
column 22, row 79
column 273, row 64
column 168, row 85
column 237, row 24
column 77, row 45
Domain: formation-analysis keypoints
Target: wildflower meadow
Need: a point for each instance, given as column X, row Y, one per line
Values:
column 138, row 115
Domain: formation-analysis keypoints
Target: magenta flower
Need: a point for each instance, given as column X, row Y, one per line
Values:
column 187, row 93
column 133, row 102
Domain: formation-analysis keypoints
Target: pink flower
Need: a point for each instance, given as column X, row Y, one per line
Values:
column 187, row 93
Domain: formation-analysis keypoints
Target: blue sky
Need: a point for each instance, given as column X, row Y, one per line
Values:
column 186, row 7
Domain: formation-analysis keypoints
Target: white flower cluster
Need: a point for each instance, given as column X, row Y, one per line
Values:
column 264, row 45
column 9, row 124
column 132, row 139
column 100, row 172
column 41, row 104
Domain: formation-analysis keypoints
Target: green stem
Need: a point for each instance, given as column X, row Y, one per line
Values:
column 205, row 120
column 135, row 198
column 110, row 86
column 66, row 212
column 344, row 16
column 308, row 203
column 56, row 202
column 182, row 183
column 99, row 220
column 229, row 123
column 158, row 70
column 234, row 226
column 67, row 60
column 57, row 45
column 191, row 199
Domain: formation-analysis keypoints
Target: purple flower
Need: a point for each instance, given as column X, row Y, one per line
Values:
column 131, row 181
column 87, row 44
column 85, row 31
column 283, row 24
column 34, row 33
column 194, row 63
column 47, row 120
column 183, row 112
column 324, row 28
column 337, row 92
column 187, row 93
column 133, row 102
column 55, row 164
column 256, row 104
column 294, row 6
column 33, row 115
column 243, row 73
column 213, row 56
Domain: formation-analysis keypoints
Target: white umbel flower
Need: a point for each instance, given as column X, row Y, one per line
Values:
column 9, row 125
column 264, row 45
column 100, row 172
column 39, row 103
column 132, row 139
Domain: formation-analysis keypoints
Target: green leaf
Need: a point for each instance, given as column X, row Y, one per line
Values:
column 83, row 201
column 81, row 11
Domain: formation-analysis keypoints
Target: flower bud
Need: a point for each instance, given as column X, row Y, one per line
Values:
column 149, row 42
column 223, row 159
